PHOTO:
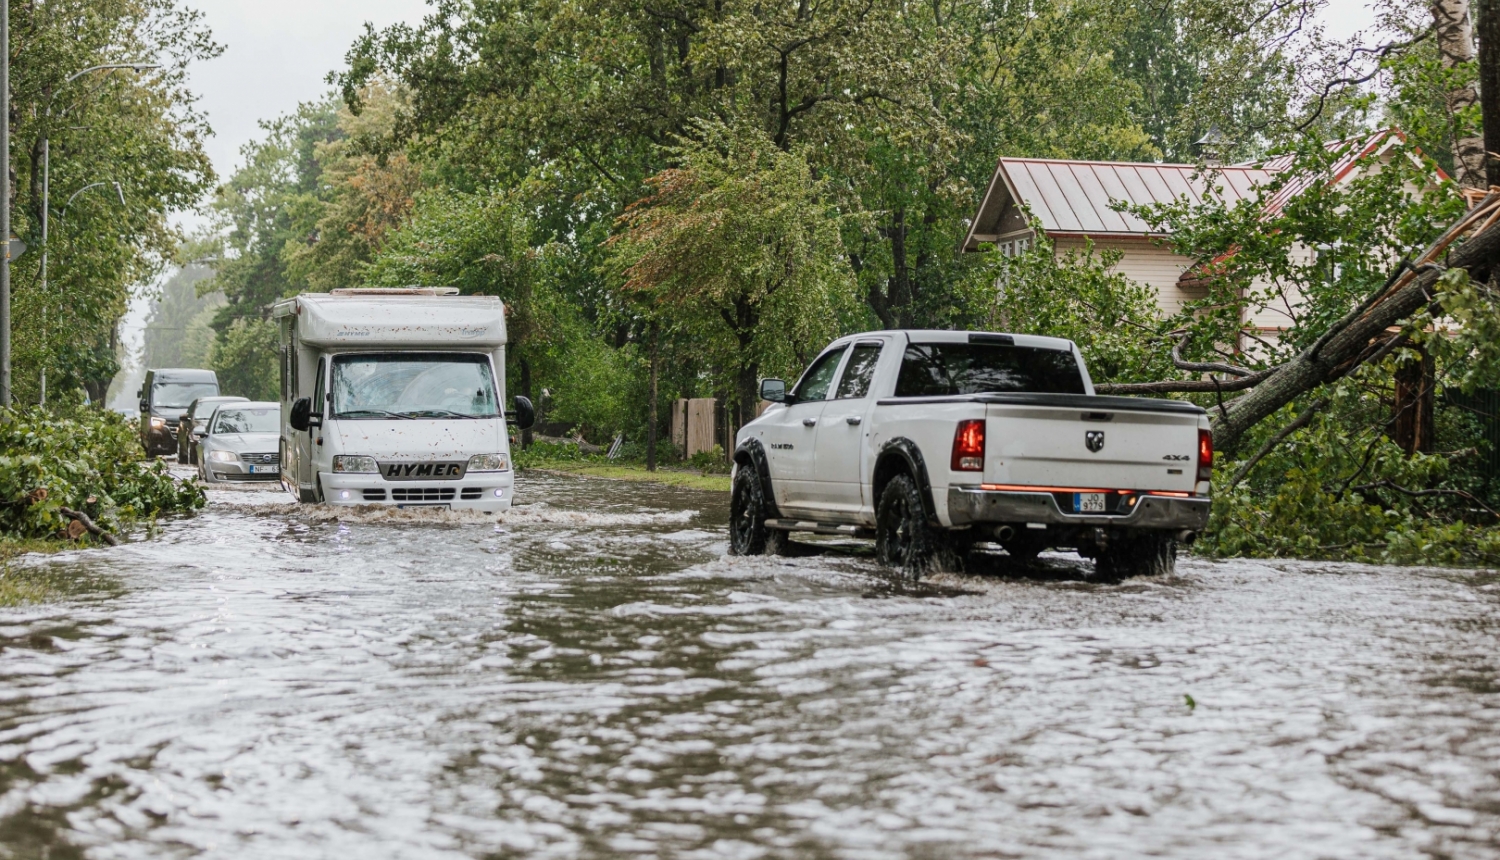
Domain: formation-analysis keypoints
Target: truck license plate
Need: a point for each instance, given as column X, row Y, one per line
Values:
column 1088, row 503
column 264, row 470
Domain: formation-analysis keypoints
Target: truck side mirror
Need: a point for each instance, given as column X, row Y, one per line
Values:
column 773, row 390
column 524, row 414
column 301, row 417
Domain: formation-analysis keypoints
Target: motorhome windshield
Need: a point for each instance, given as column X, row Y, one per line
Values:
column 179, row 395
column 413, row 385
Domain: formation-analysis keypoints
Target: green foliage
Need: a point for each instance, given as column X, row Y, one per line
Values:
column 711, row 462
column 137, row 129
column 85, row 459
column 1340, row 490
column 1116, row 322
column 244, row 358
column 740, row 246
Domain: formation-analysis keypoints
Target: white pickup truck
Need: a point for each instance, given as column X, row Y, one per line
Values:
column 933, row 441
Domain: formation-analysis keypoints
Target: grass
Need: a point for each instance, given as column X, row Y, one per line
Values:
column 19, row 586
column 632, row 472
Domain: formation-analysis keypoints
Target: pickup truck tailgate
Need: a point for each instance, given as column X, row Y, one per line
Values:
column 1092, row 442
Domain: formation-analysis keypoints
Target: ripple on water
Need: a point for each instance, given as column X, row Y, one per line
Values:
column 590, row 676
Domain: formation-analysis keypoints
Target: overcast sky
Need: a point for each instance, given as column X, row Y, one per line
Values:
column 277, row 53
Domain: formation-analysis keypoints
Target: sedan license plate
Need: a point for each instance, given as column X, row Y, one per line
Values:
column 1088, row 503
column 264, row 470
column 428, row 505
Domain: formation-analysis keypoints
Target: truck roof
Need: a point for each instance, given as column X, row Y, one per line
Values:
column 946, row 336
column 182, row 374
column 418, row 317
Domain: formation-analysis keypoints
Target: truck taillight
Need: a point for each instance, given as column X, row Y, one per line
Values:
column 968, row 446
column 1205, row 455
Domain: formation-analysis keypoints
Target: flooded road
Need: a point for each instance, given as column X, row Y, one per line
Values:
column 593, row 677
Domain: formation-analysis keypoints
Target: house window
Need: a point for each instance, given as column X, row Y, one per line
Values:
column 1015, row 247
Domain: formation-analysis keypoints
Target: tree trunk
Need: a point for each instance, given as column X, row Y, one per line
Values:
column 1455, row 43
column 1488, row 20
column 1346, row 349
column 651, row 420
column 1412, row 425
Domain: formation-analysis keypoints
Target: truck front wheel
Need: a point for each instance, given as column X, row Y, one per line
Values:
column 1147, row 554
column 748, row 507
column 903, row 539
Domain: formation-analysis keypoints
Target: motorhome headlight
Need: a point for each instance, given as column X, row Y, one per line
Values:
column 223, row 456
column 158, row 423
column 354, row 463
column 489, row 463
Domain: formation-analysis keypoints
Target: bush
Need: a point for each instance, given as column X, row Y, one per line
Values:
column 85, row 459
column 710, row 462
column 1340, row 489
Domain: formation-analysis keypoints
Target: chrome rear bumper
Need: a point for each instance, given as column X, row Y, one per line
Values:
column 973, row 505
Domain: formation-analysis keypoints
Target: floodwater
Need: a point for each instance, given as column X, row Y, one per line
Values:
column 593, row 677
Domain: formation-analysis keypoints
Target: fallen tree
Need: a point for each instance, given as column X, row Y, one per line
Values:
column 1368, row 333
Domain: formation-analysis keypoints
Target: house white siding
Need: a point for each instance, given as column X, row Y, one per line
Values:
column 1145, row 262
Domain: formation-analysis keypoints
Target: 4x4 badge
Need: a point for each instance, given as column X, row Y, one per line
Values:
column 1094, row 439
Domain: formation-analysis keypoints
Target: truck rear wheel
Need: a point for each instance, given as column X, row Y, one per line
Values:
column 748, row 508
column 1148, row 554
column 903, row 539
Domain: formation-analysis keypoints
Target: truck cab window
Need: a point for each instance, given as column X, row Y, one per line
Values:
column 855, row 382
column 942, row 369
column 413, row 385
column 815, row 382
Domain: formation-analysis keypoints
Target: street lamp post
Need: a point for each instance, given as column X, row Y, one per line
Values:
column 64, row 216
column 5, row 204
column 46, row 197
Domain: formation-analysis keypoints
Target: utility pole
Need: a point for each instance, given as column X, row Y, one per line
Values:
column 5, row 209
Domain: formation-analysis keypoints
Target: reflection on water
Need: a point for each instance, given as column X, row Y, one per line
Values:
column 590, row 676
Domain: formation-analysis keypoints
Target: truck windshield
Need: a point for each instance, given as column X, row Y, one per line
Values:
column 178, row 395
column 940, row 369
column 413, row 385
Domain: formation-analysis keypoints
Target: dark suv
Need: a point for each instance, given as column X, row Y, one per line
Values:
column 166, row 395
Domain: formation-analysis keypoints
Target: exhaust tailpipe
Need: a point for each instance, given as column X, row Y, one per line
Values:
column 1186, row 537
column 1004, row 533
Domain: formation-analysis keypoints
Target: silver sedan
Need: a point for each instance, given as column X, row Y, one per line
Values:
column 242, row 444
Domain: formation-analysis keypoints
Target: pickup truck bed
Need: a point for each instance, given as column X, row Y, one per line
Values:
column 886, row 415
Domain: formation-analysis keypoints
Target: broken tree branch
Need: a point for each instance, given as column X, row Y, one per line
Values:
column 1363, row 334
column 1184, row 386
column 1302, row 421
column 1204, row 366
column 84, row 520
column 1387, row 483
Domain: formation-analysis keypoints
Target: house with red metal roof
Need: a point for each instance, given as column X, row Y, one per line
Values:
column 1074, row 203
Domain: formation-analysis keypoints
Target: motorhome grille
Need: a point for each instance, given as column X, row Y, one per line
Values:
column 423, row 494
column 374, row 495
column 471, row 493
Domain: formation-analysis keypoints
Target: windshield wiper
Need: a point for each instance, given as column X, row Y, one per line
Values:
column 379, row 413
column 442, row 413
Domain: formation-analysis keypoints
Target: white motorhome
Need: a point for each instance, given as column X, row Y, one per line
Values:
column 395, row 397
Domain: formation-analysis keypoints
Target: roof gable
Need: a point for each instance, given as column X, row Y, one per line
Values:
column 1074, row 198
column 1077, row 197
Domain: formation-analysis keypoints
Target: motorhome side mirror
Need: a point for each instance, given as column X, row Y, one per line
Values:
column 773, row 390
column 301, row 417
column 524, row 414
